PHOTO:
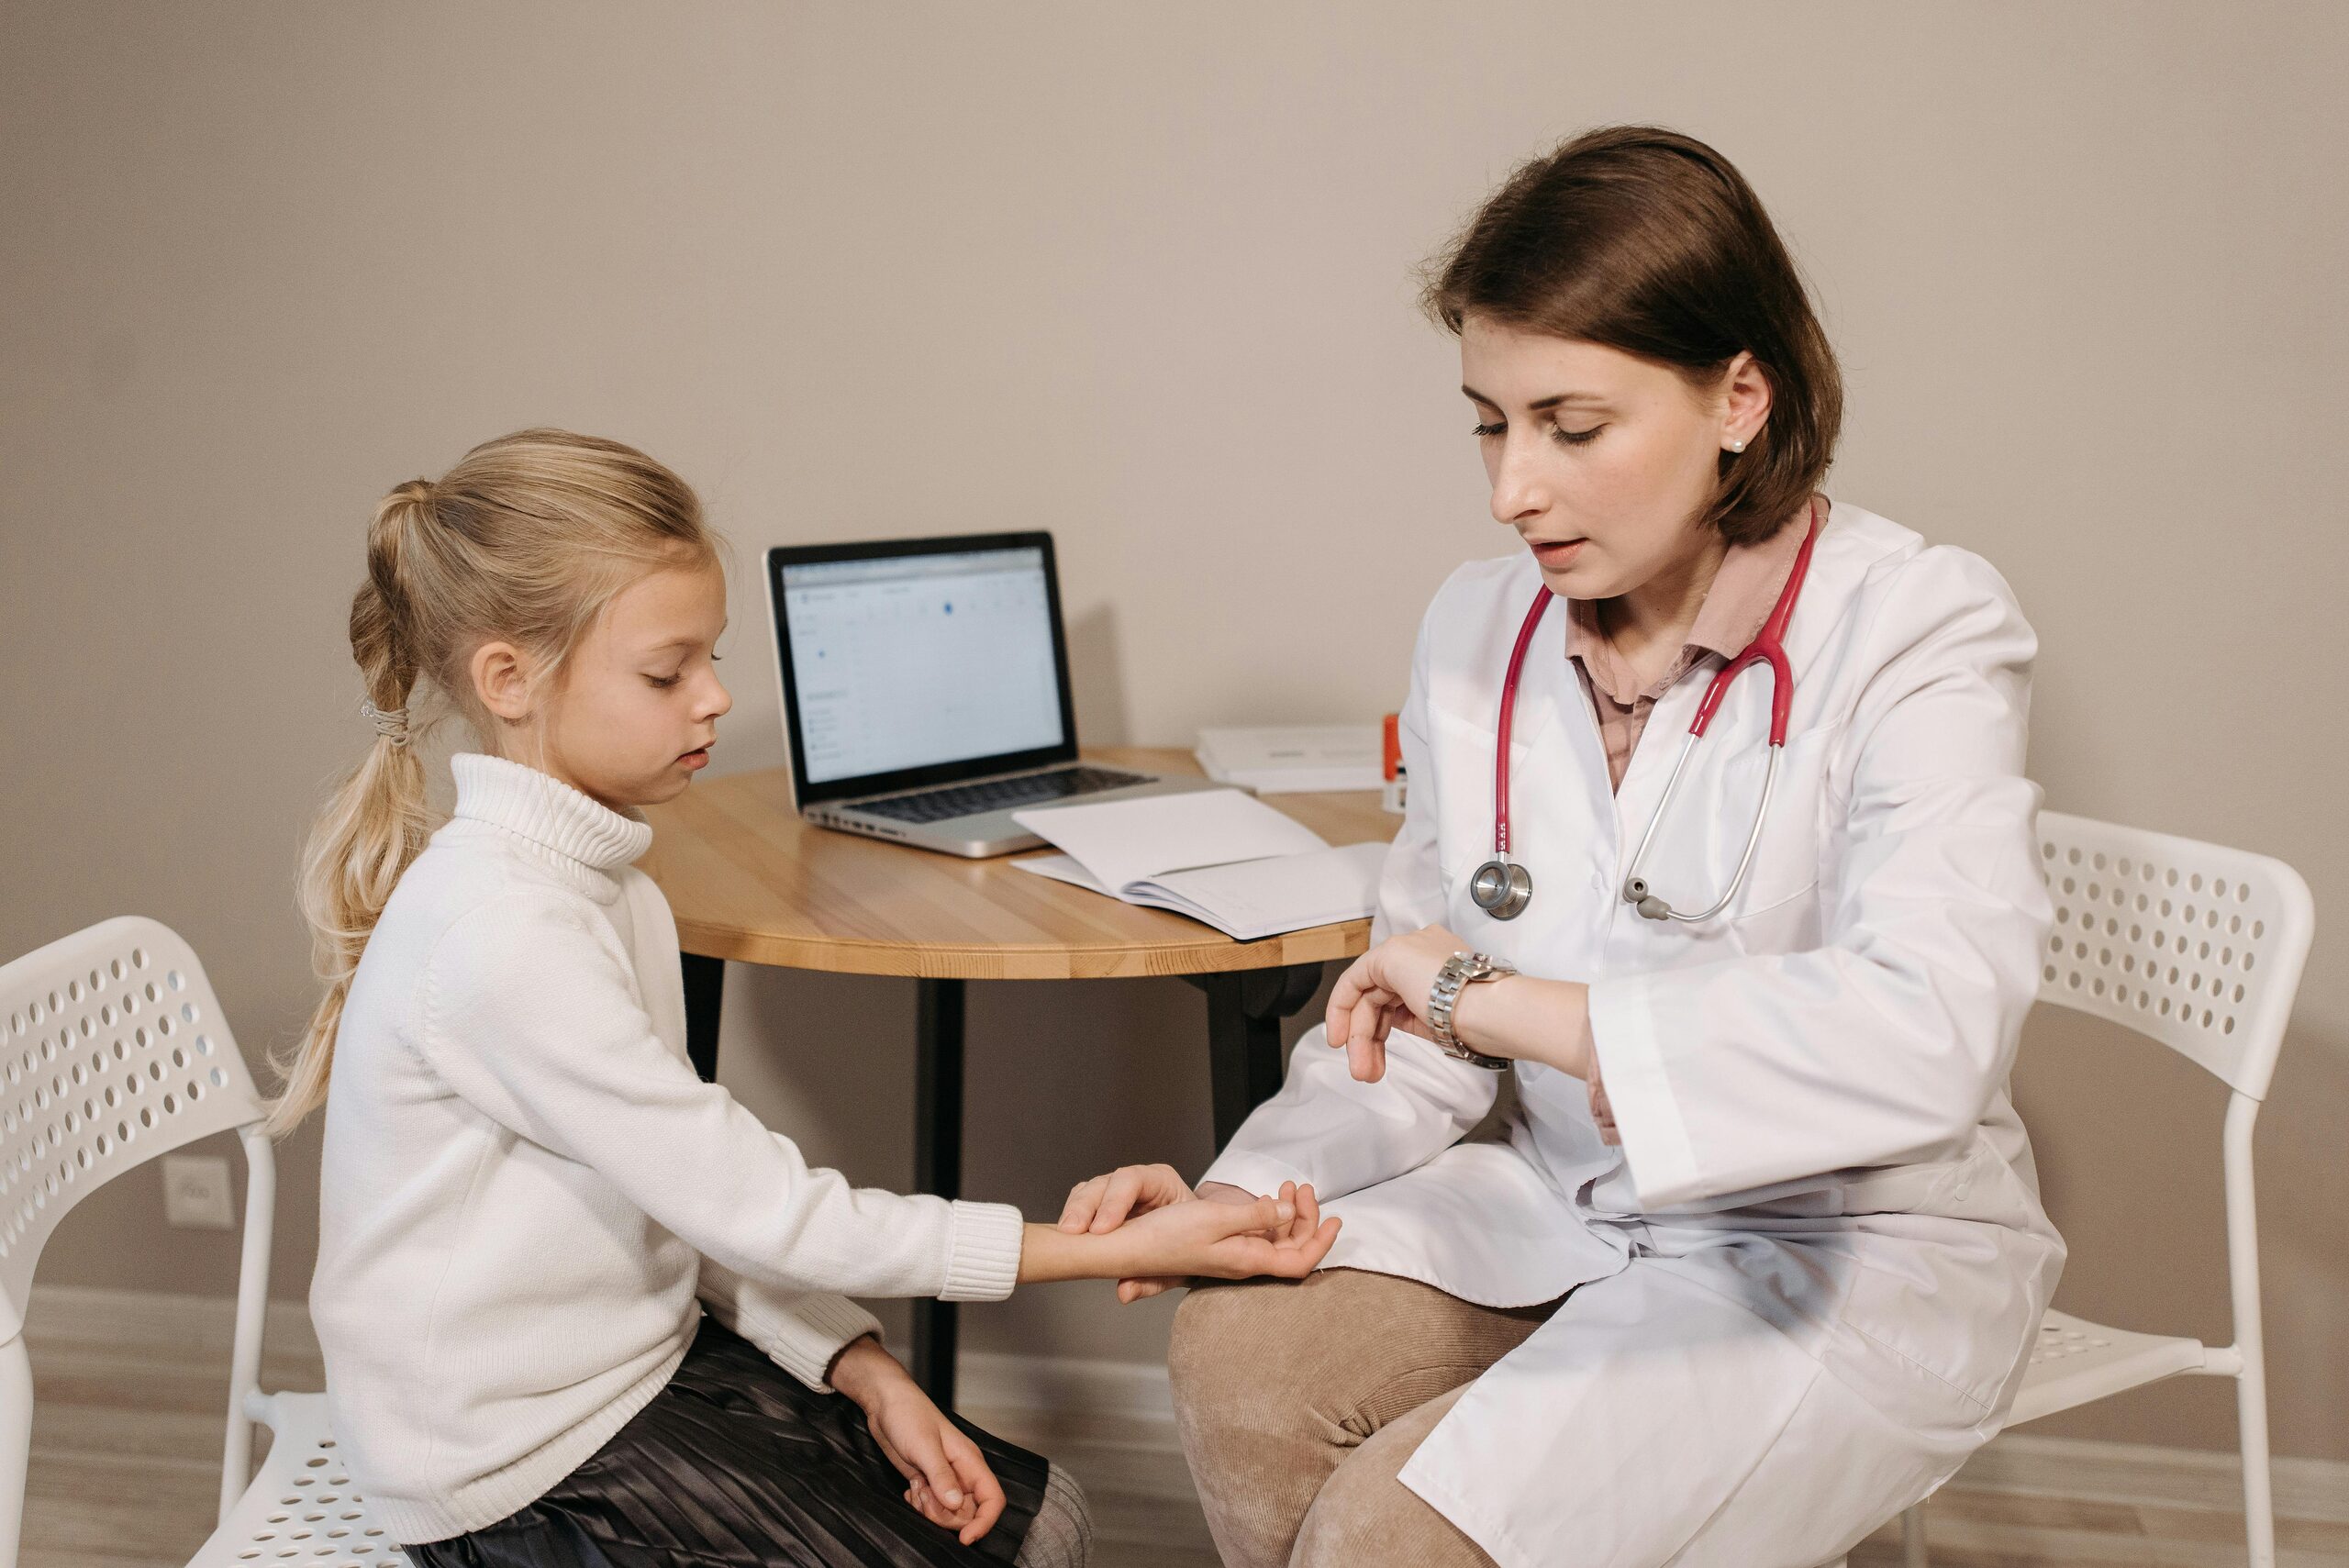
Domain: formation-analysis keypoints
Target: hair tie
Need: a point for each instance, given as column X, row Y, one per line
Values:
column 390, row 723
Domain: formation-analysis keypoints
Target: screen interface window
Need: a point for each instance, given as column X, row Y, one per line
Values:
column 914, row 660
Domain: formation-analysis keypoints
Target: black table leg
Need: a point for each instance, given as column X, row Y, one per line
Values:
column 938, row 1160
column 704, row 990
column 1244, row 1012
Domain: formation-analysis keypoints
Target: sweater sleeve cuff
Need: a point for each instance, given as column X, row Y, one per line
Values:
column 1638, row 1090
column 983, row 1261
column 815, row 1330
column 802, row 1335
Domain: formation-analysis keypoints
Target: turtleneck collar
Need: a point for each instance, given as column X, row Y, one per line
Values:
column 579, row 837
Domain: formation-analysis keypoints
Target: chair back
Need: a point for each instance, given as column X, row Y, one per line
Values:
column 112, row 1050
column 2194, row 945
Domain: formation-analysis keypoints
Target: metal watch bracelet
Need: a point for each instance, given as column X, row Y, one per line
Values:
column 1459, row 971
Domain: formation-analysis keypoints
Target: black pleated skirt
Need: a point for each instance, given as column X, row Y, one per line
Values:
column 737, row 1462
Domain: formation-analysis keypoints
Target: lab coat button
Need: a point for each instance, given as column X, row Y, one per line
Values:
column 1599, row 882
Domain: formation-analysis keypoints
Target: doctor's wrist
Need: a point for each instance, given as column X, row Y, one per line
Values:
column 1528, row 1020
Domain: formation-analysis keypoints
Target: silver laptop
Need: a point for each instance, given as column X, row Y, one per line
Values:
column 925, row 691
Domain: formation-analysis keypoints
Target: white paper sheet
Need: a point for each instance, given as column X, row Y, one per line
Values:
column 1123, row 842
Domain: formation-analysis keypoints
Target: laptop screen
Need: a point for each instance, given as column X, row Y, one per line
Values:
column 905, row 668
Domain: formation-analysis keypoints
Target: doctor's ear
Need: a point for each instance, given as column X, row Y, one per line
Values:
column 1745, row 394
column 503, row 680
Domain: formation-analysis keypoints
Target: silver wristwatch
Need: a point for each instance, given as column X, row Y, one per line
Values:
column 1462, row 969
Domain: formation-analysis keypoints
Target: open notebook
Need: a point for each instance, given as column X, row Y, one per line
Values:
column 1218, row 855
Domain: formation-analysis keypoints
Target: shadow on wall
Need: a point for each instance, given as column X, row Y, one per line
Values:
column 2078, row 1073
column 1096, row 679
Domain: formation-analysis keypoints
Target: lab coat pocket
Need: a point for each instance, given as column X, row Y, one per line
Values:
column 1786, row 858
column 1694, row 853
column 1550, row 821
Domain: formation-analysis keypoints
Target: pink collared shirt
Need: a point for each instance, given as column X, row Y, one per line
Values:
column 1743, row 594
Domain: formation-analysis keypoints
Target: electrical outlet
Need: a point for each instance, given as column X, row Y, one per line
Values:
column 196, row 1191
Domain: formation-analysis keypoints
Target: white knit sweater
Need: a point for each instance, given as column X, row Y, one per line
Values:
column 525, row 1187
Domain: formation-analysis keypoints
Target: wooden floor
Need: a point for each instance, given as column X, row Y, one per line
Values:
column 127, row 1453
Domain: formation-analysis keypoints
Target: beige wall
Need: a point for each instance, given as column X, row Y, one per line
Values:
column 1141, row 275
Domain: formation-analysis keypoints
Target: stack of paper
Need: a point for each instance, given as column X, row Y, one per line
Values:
column 1294, row 758
column 1215, row 855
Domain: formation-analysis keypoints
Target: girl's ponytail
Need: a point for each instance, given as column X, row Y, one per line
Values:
column 376, row 822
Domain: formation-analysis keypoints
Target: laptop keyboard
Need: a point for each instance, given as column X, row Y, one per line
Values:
column 997, row 795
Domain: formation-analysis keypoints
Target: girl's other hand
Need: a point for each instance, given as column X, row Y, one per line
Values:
column 947, row 1479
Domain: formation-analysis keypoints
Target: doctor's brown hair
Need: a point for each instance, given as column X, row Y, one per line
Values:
column 524, row 541
column 1649, row 241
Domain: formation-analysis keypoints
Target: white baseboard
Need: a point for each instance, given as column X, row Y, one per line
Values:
column 1135, row 1394
column 2023, row 1463
column 1130, row 1391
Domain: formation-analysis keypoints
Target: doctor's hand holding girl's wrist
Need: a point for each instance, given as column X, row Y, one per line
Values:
column 1296, row 1236
column 1138, row 1229
column 1513, row 1016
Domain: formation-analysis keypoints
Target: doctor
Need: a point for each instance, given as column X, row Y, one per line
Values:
column 1752, row 1256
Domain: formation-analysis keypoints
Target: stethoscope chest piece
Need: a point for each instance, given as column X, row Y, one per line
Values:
column 1501, row 889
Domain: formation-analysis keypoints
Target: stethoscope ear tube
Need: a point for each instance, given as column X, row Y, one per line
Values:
column 1636, row 891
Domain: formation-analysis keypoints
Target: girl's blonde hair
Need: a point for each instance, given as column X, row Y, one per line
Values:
column 525, row 541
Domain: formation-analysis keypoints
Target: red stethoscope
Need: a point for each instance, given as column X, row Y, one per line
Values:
column 1502, row 888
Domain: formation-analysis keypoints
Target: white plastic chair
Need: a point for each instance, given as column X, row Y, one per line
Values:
column 114, row 1051
column 2198, row 948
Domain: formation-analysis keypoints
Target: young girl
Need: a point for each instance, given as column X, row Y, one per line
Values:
column 528, row 1195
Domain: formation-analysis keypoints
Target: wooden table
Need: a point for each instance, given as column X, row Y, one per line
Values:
column 752, row 882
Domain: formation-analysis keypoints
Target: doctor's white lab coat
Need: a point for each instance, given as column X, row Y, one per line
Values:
column 1805, row 1286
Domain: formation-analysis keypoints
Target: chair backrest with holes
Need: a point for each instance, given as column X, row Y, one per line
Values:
column 112, row 1050
column 2199, row 946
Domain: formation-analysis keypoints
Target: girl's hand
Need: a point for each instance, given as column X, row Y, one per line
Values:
column 1285, row 1237
column 1386, row 988
column 947, row 1479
